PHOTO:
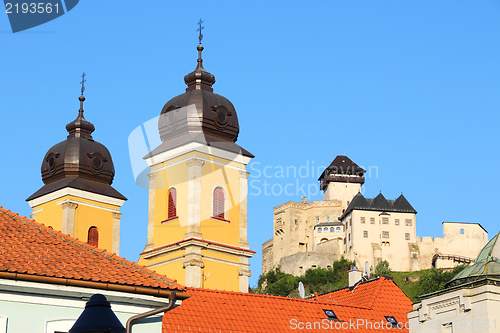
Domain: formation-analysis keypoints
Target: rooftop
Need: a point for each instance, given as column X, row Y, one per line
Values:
column 31, row 251
column 223, row 311
column 380, row 203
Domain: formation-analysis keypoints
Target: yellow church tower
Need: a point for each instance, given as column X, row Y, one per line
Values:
column 77, row 198
column 197, row 223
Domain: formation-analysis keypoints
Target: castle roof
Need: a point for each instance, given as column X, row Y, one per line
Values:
column 214, row 310
column 379, row 203
column 33, row 252
column 342, row 169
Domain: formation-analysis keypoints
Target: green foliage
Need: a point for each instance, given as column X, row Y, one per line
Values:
column 436, row 279
column 382, row 269
column 319, row 280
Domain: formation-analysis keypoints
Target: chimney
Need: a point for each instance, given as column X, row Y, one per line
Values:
column 304, row 200
column 355, row 276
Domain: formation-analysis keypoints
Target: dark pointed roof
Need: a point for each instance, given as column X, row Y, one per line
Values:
column 379, row 203
column 402, row 204
column 342, row 169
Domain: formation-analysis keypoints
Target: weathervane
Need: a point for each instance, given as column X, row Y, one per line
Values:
column 200, row 29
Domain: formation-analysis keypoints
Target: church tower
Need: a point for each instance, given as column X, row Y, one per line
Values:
column 77, row 198
column 197, row 223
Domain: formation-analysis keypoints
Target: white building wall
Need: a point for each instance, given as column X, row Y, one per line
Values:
column 28, row 307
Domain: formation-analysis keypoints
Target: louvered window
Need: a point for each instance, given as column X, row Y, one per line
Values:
column 172, row 202
column 93, row 237
column 218, row 208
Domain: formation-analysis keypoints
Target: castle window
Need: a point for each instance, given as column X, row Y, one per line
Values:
column 408, row 222
column 385, row 234
column 396, row 221
column 172, row 202
column 372, row 220
column 328, row 219
column 461, row 231
column 218, row 206
column 296, row 221
column 317, row 218
column 407, row 236
column 385, row 220
column 338, row 229
column 93, row 236
column 332, row 229
column 362, row 220
column 319, row 230
column 365, row 234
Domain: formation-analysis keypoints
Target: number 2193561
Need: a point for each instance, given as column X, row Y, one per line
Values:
column 32, row 8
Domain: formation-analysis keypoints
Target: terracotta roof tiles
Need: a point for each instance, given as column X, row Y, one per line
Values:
column 224, row 311
column 28, row 247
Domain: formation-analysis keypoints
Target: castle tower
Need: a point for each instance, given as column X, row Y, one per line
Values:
column 197, row 223
column 77, row 197
column 341, row 180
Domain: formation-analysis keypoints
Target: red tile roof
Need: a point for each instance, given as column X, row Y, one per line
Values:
column 223, row 311
column 28, row 248
column 377, row 294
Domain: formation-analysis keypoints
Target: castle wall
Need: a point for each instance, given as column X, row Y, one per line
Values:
column 298, row 263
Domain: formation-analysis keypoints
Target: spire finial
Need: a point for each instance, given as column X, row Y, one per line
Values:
column 200, row 37
column 82, row 98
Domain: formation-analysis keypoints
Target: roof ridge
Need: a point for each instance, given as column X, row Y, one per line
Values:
column 112, row 256
column 381, row 280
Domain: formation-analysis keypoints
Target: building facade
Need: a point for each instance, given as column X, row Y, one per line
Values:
column 345, row 223
column 197, row 223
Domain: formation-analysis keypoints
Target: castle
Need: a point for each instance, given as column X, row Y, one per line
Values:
column 315, row 234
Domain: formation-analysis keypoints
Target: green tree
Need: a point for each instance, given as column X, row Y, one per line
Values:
column 382, row 269
column 436, row 279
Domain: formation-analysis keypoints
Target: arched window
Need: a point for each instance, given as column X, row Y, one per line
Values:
column 332, row 229
column 172, row 202
column 338, row 229
column 218, row 207
column 320, row 230
column 93, row 237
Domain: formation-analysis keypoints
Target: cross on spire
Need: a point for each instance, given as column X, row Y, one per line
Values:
column 82, row 98
column 83, row 82
column 200, row 37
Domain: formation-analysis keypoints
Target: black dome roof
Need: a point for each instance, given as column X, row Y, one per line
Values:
column 216, row 113
column 78, row 162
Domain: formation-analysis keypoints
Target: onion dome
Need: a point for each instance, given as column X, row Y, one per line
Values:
column 216, row 114
column 78, row 162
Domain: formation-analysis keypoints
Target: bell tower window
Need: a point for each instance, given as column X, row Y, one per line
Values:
column 93, row 236
column 172, row 202
column 218, row 203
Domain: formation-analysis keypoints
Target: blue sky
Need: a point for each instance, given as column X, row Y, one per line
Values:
column 408, row 88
